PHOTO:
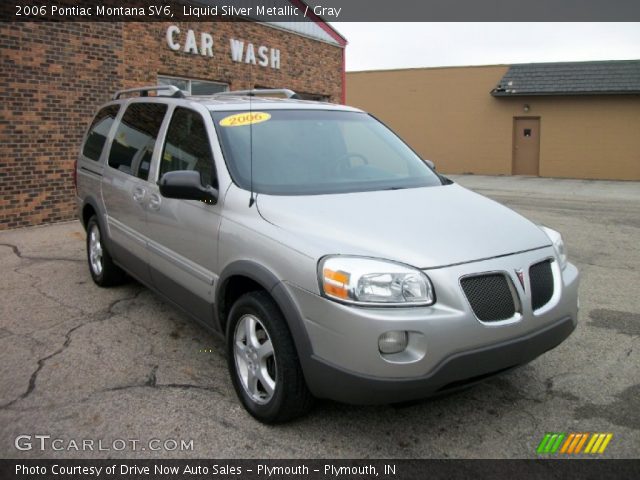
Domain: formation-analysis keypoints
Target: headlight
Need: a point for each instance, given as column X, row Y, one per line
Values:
column 558, row 245
column 361, row 280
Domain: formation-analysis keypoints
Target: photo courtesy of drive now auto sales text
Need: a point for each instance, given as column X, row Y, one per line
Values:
column 260, row 470
column 158, row 469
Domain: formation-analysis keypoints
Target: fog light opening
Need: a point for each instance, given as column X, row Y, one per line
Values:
column 395, row 341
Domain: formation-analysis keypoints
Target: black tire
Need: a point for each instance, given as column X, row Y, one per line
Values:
column 109, row 274
column 291, row 397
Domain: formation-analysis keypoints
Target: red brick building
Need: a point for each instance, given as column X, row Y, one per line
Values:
column 53, row 76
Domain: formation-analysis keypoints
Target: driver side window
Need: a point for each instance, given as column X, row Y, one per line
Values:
column 187, row 147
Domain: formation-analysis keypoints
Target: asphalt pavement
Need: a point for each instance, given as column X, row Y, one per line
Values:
column 81, row 363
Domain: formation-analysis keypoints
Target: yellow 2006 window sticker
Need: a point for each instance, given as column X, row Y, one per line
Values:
column 245, row 118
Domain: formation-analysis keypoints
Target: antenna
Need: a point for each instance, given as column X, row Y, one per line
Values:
column 252, row 200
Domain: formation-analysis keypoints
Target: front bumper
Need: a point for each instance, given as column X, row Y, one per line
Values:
column 448, row 344
column 458, row 370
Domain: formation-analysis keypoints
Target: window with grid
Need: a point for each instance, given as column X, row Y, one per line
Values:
column 193, row 87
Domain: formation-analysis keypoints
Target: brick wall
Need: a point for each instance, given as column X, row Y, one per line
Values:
column 53, row 76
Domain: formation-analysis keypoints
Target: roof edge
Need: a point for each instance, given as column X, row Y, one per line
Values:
column 581, row 62
column 565, row 93
column 411, row 69
column 578, row 62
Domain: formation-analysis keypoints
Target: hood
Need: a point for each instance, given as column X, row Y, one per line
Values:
column 424, row 227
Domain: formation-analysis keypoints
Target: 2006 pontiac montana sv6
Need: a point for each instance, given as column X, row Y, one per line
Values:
column 335, row 262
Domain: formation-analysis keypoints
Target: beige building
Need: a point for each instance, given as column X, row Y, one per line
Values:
column 575, row 120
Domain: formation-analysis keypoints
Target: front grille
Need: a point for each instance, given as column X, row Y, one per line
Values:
column 490, row 296
column 541, row 279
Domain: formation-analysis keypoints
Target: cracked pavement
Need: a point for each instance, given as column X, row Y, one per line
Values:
column 80, row 362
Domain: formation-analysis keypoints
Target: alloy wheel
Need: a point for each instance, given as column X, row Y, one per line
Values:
column 95, row 250
column 255, row 359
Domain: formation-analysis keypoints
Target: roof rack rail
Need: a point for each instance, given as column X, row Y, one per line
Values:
column 256, row 92
column 144, row 91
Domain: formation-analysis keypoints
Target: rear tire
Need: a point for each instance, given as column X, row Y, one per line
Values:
column 104, row 272
column 263, row 362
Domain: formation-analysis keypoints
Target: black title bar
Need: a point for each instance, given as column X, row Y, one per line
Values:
column 328, row 10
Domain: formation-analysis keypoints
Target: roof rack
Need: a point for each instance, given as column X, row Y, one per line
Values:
column 144, row 91
column 260, row 91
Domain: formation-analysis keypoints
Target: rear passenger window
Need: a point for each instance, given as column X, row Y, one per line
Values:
column 135, row 139
column 187, row 147
column 98, row 132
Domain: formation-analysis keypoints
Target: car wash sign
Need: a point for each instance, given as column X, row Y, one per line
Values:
column 201, row 43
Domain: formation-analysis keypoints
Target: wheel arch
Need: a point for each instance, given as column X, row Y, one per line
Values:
column 243, row 276
column 89, row 208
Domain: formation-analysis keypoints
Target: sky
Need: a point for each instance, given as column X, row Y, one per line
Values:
column 375, row 46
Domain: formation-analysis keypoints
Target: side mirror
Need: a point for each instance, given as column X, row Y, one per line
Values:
column 186, row 185
column 431, row 164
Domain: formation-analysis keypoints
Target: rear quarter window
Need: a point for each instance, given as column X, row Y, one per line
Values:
column 98, row 132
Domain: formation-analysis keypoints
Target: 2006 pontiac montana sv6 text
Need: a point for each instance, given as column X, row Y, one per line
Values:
column 334, row 261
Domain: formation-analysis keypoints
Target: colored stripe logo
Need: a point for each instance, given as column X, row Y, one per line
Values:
column 573, row 443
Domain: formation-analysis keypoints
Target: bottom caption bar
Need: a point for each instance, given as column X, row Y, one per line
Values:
column 314, row 469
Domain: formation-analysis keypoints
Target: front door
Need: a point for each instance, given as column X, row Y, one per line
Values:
column 526, row 146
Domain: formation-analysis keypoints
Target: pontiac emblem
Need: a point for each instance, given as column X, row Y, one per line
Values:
column 520, row 275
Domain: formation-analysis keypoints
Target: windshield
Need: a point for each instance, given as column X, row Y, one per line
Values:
column 310, row 152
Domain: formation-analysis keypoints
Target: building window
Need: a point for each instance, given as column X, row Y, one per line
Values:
column 193, row 87
column 316, row 97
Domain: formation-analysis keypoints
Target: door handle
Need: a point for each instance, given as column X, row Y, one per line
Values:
column 154, row 201
column 138, row 194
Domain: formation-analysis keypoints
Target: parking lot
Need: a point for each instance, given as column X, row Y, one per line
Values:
column 79, row 362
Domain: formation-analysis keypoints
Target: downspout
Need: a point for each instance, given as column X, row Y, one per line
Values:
column 344, row 75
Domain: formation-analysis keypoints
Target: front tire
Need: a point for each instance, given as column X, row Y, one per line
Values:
column 263, row 362
column 104, row 272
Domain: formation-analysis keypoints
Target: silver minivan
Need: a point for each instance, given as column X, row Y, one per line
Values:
column 332, row 259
